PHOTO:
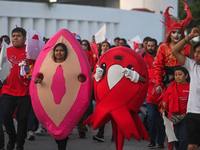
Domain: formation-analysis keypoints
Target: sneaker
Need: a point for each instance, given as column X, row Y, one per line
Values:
column 99, row 137
column 82, row 135
column 30, row 136
column 40, row 131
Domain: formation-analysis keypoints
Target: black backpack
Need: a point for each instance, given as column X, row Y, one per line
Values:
column 143, row 54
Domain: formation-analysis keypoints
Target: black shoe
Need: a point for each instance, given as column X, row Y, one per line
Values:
column 82, row 135
column 112, row 139
column 161, row 146
column 152, row 144
column 99, row 137
column 19, row 148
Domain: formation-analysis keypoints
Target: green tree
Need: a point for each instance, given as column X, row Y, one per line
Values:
column 194, row 8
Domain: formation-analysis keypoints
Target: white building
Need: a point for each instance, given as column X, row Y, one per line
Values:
column 87, row 20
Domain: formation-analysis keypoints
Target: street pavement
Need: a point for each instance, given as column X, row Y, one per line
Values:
column 46, row 142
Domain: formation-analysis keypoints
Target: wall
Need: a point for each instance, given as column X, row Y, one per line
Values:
column 153, row 5
column 85, row 20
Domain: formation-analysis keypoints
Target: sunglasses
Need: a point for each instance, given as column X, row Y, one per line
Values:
column 84, row 44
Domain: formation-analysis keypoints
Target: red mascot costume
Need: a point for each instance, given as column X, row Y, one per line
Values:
column 119, row 93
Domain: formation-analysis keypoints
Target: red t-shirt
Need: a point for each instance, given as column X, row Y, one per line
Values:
column 89, row 55
column 177, row 97
column 183, row 93
column 149, row 60
column 17, row 85
column 0, row 92
column 152, row 95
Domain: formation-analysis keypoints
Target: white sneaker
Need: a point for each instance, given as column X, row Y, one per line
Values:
column 40, row 131
column 30, row 136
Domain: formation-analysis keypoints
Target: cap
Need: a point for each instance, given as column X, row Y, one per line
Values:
column 77, row 36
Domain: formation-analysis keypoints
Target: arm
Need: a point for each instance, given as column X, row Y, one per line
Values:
column 159, row 65
column 165, row 102
column 191, row 51
column 159, row 69
column 142, row 79
column 176, row 50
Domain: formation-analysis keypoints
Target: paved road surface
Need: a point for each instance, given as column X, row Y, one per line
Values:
column 46, row 142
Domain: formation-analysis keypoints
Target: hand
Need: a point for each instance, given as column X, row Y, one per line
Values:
column 163, row 105
column 132, row 75
column 162, row 110
column 159, row 89
column 195, row 32
column 99, row 73
column 37, row 80
column 27, row 62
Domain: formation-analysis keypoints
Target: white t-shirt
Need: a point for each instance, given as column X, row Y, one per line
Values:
column 194, row 95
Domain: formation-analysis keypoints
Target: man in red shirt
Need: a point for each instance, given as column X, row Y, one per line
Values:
column 150, row 52
column 155, row 121
column 16, row 92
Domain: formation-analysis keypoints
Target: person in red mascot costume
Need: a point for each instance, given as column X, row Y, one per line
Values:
column 120, row 86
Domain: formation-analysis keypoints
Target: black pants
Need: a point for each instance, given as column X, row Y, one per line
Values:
column 62, row 144
column 101, row 130
column 1, row 122
column 23, row 105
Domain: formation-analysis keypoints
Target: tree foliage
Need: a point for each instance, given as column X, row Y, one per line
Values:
column 194, row 8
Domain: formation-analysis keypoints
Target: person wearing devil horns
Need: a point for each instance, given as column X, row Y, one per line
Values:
column 165, row 59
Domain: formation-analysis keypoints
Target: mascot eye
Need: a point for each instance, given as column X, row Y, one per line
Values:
column 103, row 66
column 130, row 67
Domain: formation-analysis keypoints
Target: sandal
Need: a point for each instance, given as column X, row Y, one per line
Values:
column 152, row 144
column 161, row 146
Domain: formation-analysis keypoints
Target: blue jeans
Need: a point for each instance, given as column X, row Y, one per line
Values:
column 155, row 124
column 142, row 116
column 180, row 132
column 1, row 122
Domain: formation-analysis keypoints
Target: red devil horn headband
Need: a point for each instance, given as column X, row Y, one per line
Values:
column 171, row 24
column 187, row 20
